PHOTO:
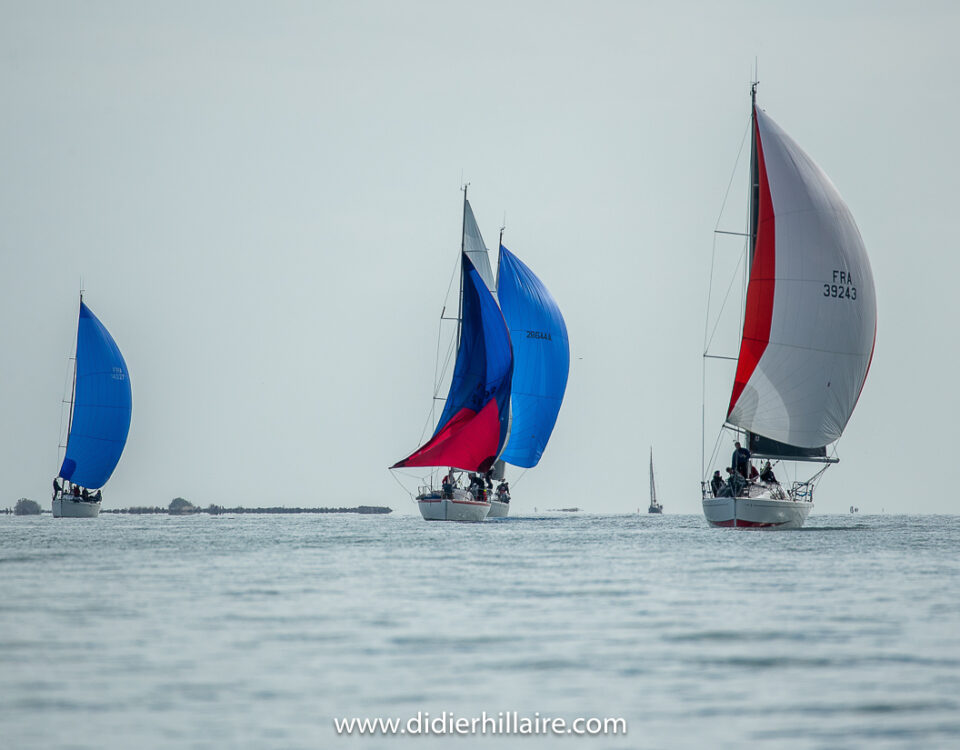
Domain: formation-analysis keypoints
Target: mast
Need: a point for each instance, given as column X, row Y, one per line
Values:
column 499, row 245
column 73, row 388
column 653, row 486
column 754, row 217
column 463, row 247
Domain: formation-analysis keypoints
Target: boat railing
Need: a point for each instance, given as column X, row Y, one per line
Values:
column 799, row 491
column 802, row 492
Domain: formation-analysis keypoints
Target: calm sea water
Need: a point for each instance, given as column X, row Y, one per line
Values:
column 256, row 631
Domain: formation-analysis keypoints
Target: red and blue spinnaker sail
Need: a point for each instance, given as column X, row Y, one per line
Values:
column 475, row 422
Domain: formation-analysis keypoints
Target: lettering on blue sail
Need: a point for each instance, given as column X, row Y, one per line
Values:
column 842, row 286
column 119, row 374
column 539, row 335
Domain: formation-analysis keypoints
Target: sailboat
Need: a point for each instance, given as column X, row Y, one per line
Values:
column 475, row 422
column 100, row 409
column 655, row 507
column 809, row 327
column 541, row 364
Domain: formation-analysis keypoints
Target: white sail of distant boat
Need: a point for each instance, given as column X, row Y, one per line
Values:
column 100, row 409
column 808, row 334
column 655, row 507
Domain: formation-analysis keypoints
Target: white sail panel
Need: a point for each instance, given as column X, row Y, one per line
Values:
column 475, row 249
column 803, row 387
column 653, row 486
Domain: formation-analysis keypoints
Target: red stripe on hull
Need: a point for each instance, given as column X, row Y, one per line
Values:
column 758, row 314
column 458, row 502
column 741, row 524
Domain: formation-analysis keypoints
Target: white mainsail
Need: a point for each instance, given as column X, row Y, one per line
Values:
column 475, row 249
column 653, row 484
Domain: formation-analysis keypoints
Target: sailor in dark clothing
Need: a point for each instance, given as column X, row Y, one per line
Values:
column 741, row 460
column 767, row 474
column 735, row 482
column 726, row 488
column 716, row 483
column 56, row 488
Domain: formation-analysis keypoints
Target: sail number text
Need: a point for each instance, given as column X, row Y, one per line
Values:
column 842, row 286
column 539, row 335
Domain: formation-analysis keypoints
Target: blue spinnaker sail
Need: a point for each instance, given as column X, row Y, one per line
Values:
column 541, row 354
column 476, row 417
column 102, row 405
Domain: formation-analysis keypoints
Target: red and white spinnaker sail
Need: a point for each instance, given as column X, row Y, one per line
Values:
column 811, row 315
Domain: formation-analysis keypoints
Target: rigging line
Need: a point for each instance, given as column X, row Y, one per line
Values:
column 716, row 446
column 441, row 374
column 448, row 357
column 703, row 416
column 726, row 299
column 60, row 435
column 410, row 494
column 715, row 453
column 726, row 195
column 723, row 205
column 706, row 322
column 446, row 299
column 438, row 372
column 522, row 475
column 431, row 415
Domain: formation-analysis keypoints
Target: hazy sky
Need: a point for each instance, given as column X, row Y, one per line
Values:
column 262, row 202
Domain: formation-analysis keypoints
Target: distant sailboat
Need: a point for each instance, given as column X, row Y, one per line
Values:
column 100, row 410
column 541, row 354
column 809, row 327
column 655, row 507
column 475, row 422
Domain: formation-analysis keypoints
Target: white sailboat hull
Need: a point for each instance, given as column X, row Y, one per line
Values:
column 70, row 507
column 756, row 512
column 461, row 507
column 498, row 509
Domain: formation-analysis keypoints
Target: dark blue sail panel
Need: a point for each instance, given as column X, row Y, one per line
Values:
column 485, row 356
column 541, row 355
column 102, row 404
column 476, row 417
